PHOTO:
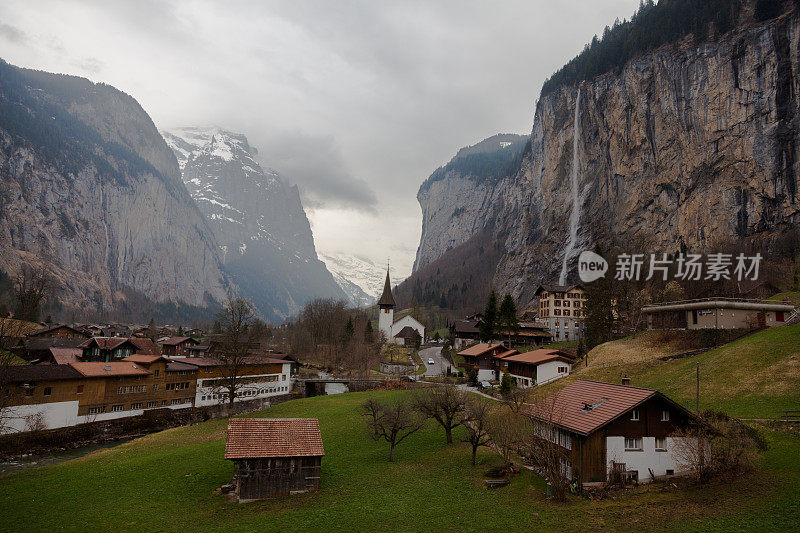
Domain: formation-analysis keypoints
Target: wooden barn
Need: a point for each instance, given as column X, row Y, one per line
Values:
column 274, row 456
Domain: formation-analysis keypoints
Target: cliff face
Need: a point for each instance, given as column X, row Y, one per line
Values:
column 686, row 147
column 91, row 191
column 262, row 230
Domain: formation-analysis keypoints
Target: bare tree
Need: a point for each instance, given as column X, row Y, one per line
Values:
column 32, row 288
column 392, row 422
column 10, row 331
column 545, row 446
column 445, row 404
column 478, row 411
column 233, row 349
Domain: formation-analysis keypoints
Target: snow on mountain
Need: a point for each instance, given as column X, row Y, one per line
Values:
column 263, row 232
column 360, row 278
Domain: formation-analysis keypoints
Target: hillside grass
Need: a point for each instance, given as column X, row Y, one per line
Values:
column 757, row 376
column 792, row 297
column 165, row 482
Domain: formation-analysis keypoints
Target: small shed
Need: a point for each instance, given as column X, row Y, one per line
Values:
column 274, row 456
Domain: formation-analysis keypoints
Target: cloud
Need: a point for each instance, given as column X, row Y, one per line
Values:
column 315, row 164
column 12, row 34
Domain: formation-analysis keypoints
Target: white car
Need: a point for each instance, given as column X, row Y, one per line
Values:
column 431, row 361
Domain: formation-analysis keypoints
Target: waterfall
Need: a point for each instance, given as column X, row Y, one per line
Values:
column 575, row 217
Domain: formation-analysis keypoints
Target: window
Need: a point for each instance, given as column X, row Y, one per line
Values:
column 155, row 372
column 163, row 402
column 48, row 391
column 29, row 391
column 566, row 312
column 121, row 390
column 117, row 408
column 635, row 415
column 137, row 405
column 80, row 389
column 562, row 370
column 661, row 444
column 176, row 401
column 96, row 410
column 634, row 443
column 155, row 387
column 152, row 404
column 283, row 378
column 665, row 415
column 670, row 472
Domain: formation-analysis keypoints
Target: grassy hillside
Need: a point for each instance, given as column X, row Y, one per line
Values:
column 754, row 377
column 165, row 481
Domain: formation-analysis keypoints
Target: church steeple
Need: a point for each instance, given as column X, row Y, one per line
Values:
column 387, row 300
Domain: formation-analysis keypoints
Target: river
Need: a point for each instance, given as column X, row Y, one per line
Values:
column 54, row 458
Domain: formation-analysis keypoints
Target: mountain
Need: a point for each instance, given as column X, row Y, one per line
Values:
column 677, row 131
column 91, row 193
column 263, row 233
column 361, row 279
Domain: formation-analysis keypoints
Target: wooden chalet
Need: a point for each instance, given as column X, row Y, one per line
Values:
column 606, row 429
column 177, row 346
column 107, row 348
column 536, row 367
column 483, row 358
column 274, row 456
column 60, row 331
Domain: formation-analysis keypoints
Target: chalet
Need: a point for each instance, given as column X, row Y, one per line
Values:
column 116, row 330
column 605, row 428
column 274, row 456
column 196, row 333
column 718, row 313
column 536, row 367
column 467, row 331
column 562, row 308
column 60, row 331
column 258, row 377
column 38, row 349
column 107, row 348
column 199, row 350
column 177, row 346
column 483, row 358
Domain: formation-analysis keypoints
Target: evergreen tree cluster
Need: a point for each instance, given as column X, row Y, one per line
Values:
column 652, row 26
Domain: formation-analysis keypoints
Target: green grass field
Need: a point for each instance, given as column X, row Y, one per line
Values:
column 754, row 377
column 165, row 482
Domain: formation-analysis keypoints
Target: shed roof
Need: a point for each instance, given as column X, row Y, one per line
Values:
column 586, row 406
column 273, row 437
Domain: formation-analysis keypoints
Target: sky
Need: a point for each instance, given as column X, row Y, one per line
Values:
column 355, row 102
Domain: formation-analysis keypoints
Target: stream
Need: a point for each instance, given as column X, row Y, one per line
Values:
column 53, row 458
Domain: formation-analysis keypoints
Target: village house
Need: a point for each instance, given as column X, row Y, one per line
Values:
column 562, row 309
column 718, row 313
column 60, row 331
column 484, row 359
column 274, row 456
column 38, row 349
column 390, row 327
column 608, row 429
column 536, row 367
column 177, row 346
column 259, row 377
column 467, row 331
column 107, row 348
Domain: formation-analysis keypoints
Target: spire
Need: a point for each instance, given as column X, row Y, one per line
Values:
column 386, row 300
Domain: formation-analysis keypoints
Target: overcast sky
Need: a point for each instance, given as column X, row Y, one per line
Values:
column 356, row 102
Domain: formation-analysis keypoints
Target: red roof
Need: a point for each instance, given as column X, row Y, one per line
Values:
column 106, row 343
column 174, row 341
column 143, row 358
column 65, row 356
column 586, row 406
column 145, row 346
column 540, row 356
column 481, row 349
column 113, row 368
column 273, row 437
column 503, row 355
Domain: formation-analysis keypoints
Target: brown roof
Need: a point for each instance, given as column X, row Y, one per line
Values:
column 503, row 355
column 174, row 341
column 56, row 327
column 248, row 360
column 273, row 437
column 106, row 343
column 65, row 356
column 536, row 357
column 586, row 406
column 407, row 333
column 22, row 373
column 145, row 346
column 386, row 299
column 466, row 326
column 143, row 359
column 113, row 368
column 174, row 366
column 481, row 348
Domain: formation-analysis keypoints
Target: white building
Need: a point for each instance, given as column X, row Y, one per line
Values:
column 386, row 322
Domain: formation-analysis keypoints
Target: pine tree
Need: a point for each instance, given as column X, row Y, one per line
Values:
column 349, row 328
column 369, row 335
column 489, row 321
column 506, row 384
column 507, row 316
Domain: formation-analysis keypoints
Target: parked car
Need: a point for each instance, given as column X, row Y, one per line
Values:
column 431, row 361
column 483, row 385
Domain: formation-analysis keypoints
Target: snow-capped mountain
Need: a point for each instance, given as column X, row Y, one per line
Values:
column 266, row 240
column 361, row 279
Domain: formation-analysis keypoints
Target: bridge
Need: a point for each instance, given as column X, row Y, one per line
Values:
column 316, row 386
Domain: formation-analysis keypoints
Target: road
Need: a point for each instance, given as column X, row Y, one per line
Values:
column 440, row 366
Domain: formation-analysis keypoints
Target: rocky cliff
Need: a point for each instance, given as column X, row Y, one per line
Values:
column 263, row 233
column 688, row 146
column 90, row 191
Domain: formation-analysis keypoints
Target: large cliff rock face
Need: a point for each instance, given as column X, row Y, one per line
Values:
column 683, row 148
column 90, row 190
column 456, row 199
column 263, row 233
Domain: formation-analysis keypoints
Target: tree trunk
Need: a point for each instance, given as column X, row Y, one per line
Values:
column 474, row 452
column 391, row 452
column 449, row 432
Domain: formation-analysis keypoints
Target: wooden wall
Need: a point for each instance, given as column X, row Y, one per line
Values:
column 280, row 476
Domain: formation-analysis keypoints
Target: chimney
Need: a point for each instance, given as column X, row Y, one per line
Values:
column 626, row 381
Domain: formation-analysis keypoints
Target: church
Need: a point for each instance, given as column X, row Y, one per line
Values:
column 402, row 330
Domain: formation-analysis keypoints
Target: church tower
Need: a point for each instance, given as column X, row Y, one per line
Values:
column 386, row 308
